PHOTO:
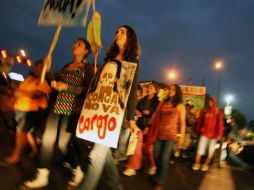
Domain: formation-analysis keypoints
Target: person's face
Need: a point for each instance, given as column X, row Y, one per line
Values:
column 210, row 103
column 139, row 94
column 151, row 89
column 79, row 48
column 6, row 65
column 121, row 37
column 37, row 69
column 172, row 91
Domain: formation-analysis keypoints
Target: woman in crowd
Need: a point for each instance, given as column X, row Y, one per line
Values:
column 31, row 106
column 210, row 127
column 144, row 110
column 70, row 85
column 169, row 119
column 124, row 48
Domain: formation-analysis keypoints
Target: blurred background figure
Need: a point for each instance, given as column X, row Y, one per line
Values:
column 30, row 105
column 7, row 99
column 191, row 122
column 210, row 127
column 144, row 110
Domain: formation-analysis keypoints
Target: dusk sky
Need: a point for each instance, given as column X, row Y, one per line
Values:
column 188, row 35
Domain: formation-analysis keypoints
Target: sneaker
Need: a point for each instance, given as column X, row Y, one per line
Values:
column 152, row 170
column 177, row 154
column 41, row 179
column 205, row 167
column 78, row 175
column 129, row 172
column 171, row 162
column 117, row 161
column 196, row 167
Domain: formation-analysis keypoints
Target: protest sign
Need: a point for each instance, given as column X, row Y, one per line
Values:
column 65, row 12
column 104, row 107
column 194, row 96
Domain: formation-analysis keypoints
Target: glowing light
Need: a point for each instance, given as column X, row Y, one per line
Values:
column 29, row 62
column 22, row 52
column 18, row 58
column 229, row 98
column 4, row 53
column 172, row 75
column 218, row 65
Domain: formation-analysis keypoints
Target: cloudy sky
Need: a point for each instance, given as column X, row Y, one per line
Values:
column 188, row 35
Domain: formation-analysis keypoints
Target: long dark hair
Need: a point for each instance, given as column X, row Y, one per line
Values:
column 87, row 45
column 178, row 97
column 132, row 49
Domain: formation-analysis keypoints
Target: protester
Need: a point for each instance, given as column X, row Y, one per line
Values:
column 169, row 118
column 121, row 150
column 210, row 127
column 191, row 122
column 30, row 105
column 70, row 85
column 7, row 99
column 144, row 110
column 124, row 48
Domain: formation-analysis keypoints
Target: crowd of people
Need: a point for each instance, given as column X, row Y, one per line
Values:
column 161, row 126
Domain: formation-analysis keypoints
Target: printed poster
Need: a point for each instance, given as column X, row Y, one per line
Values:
column 104, row 107
column 195, row 96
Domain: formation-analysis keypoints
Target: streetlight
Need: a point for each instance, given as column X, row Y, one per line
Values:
column 228, row 107
column 229, row 99
column 218, row 66
column 171, row 75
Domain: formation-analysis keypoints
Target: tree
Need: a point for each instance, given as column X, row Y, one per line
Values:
column 239, row 118
column 251, row 125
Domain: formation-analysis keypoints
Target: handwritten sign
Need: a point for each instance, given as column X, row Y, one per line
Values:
column 103, row 110
column 65, row 12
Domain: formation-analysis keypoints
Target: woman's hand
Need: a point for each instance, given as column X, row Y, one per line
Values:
column 59, row 86
column 133, row 126
column 146, row 130
column 146, row 112
column 138, row 113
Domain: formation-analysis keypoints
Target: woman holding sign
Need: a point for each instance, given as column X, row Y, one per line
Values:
column 121, row 56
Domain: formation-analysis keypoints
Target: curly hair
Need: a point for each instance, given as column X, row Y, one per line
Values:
column 132, row 49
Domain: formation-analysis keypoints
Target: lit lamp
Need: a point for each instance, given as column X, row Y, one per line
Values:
column 228, row 107
column 218, row 66
column 172, row 76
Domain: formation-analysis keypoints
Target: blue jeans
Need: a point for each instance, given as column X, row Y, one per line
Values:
column 163, row 151
column 120, row 152
column 54, row 135
column 101, row 158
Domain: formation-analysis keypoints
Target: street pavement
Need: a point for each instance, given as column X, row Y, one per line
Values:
column 180, row 175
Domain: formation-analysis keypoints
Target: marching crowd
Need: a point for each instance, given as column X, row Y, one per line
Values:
column 156, row 127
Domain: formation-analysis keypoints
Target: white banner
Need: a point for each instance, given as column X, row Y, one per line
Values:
column 65, row 12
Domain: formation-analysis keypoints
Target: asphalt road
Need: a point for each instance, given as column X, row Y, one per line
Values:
column 180, row 175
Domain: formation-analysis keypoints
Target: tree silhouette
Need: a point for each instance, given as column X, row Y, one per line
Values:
column 239, row 118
